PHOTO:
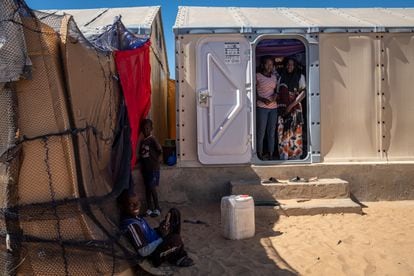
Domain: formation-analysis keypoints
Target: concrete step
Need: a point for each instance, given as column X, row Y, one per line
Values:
column 301, row 207
column 320, row 188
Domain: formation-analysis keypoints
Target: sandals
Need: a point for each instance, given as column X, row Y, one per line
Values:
column 271, row 180
column 297, row 179
column 185, row 262
column 301, row 179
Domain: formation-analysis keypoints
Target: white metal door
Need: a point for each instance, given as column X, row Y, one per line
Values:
column 223, row 105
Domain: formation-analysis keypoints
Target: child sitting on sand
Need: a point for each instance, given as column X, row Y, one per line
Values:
column 158, row 245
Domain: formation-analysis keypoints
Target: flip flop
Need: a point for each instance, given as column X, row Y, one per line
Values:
column 297, row 179
column 271, row 180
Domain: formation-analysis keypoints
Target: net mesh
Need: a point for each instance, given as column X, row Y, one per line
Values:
column 13, row 54
column 62, row 142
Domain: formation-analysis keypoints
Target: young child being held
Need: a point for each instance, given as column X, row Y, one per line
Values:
column 150, row 159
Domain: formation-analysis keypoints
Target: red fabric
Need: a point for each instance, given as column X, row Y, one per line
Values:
column 134, row 70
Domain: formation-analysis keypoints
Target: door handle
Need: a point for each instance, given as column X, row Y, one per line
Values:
column 203, row 96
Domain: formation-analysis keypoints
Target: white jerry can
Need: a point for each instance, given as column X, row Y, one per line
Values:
column 237, row 217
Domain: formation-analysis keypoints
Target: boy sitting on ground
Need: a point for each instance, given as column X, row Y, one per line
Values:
column 158, row 245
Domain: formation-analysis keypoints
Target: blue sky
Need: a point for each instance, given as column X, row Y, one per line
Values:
column 169, row 9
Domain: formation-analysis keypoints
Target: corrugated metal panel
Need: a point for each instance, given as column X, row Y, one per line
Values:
column 134, row 18
column 198, row 19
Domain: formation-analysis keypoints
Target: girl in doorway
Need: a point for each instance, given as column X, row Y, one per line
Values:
column 266, row 106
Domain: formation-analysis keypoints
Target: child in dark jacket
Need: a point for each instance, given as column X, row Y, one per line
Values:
column 157, row 245
column 150, row 159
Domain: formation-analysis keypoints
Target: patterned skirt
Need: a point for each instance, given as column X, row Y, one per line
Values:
column 289, row 132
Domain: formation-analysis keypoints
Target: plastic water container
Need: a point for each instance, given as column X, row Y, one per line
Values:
column 237, row 217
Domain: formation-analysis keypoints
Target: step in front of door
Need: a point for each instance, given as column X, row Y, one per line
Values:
column 305, row 207
column 320, row 188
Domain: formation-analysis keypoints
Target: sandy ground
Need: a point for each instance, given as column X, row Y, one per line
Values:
column 381, row 242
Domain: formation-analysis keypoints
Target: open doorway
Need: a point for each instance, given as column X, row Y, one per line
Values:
column 281, row 103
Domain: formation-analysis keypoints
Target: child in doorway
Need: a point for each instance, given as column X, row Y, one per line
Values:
column 150, row 159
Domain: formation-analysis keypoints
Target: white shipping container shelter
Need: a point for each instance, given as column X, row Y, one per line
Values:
column 359, row 72
column 145, row 21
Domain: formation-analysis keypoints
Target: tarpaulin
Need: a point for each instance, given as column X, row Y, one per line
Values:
column 135, row 74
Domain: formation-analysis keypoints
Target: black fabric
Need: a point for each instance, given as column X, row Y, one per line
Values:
column 291, row 80
column 122, row 152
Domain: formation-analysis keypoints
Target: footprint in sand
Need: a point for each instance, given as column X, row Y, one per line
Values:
column 348, row 240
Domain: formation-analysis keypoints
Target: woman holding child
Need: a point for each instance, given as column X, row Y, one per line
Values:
column 291, row 93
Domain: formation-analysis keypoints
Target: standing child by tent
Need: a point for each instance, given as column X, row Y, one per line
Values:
column 150, row 159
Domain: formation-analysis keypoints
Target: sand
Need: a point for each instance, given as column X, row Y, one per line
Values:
column 381, row 242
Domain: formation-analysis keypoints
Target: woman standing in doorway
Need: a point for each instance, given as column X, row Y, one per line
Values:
column 266, row 111
column 291, row 93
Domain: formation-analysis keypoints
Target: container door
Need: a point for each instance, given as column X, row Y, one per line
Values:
column 223, row 105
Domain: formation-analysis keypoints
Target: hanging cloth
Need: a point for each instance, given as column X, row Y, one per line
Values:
column 134, row 71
